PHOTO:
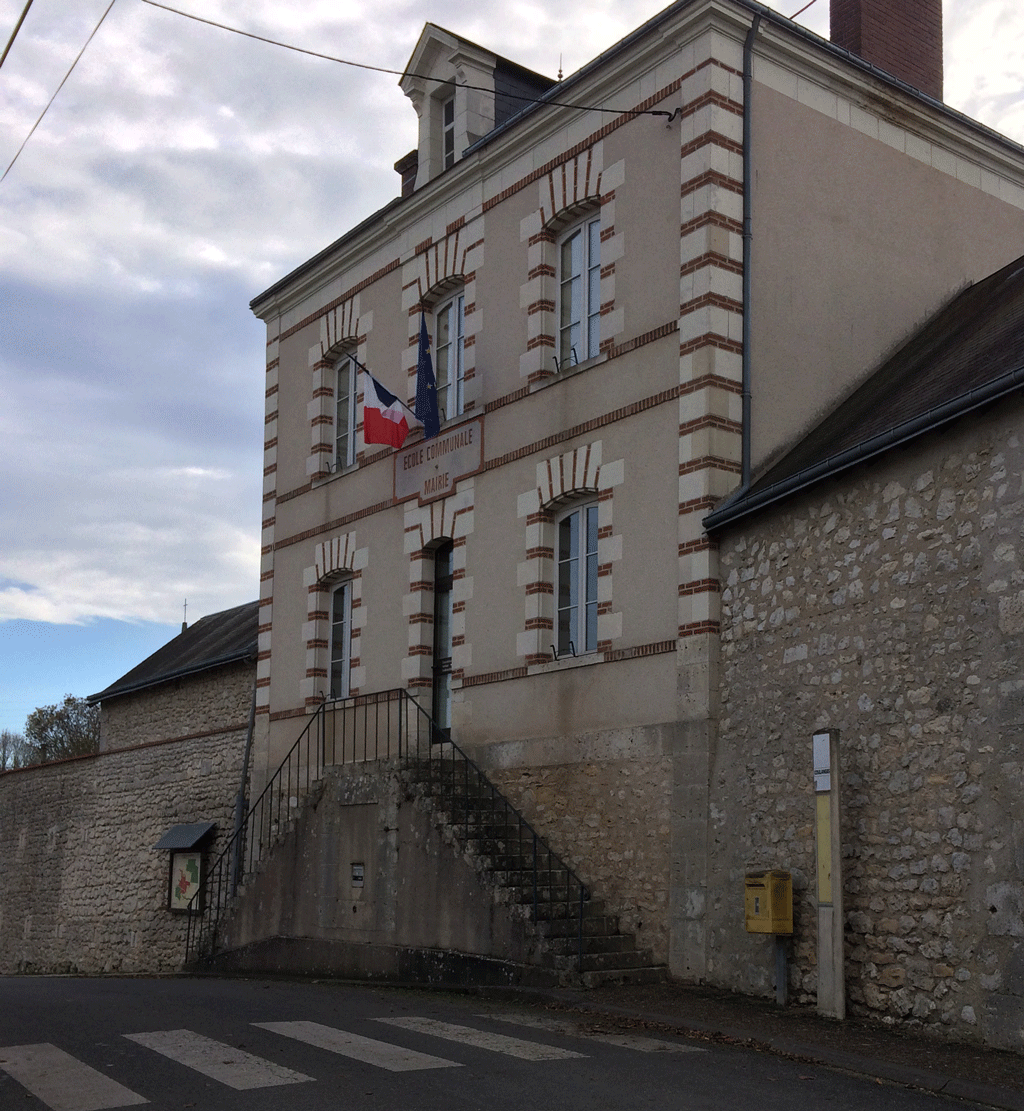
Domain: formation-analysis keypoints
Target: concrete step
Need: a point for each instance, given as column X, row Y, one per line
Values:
column 592, row 943
column 526, row 877
column 554, row 912
column 603, row 962
column 595, row 924
column 652, row 974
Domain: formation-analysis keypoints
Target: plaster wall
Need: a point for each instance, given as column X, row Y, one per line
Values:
column 863, row 226
column 887, row 606
column 419, row 891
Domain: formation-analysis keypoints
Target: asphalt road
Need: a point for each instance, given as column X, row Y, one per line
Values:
column 219, row 1045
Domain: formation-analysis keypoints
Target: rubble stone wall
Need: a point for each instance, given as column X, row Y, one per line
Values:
column 186, row 707
column 889, row 606
column 81, row 889
column 606, row 810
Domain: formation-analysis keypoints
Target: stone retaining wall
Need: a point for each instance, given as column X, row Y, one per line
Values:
column 81, row 889
column 889, row 607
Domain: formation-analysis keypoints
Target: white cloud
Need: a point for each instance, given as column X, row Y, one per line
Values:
column 181, row 170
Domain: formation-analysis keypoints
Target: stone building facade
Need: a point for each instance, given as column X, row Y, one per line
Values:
column 767, row 216
column 873, row 584
column 207, row 704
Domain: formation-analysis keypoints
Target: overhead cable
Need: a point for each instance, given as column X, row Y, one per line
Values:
column 59, row 87
column 14, row 33
column 403, row 72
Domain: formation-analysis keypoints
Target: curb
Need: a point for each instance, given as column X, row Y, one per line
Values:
column 906, row 1075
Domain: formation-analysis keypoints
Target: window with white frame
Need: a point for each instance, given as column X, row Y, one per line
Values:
column 579, row 304
column 576, row 623
column 448, row 131
column 341, row 639
column 345, row 413
column 449, row 366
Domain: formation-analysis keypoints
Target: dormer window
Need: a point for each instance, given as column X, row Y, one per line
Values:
column 448, row 131
column 445, row 68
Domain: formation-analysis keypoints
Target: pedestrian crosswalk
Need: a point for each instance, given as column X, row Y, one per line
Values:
column 62, row 1082
column 639, row 1042
column 482, row 1039
column 233, row 1067
column 384, row 1055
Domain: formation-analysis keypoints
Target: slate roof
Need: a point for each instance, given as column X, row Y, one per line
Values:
column 213, row 641
column 970, row 354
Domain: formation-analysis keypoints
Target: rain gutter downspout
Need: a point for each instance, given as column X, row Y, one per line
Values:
column 240, row 807
column 748, row 83
column 736, row 508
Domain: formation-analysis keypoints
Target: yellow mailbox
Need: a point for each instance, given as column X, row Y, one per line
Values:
column 768, row 902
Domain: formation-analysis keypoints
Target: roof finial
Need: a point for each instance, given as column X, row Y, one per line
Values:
column 184, row 616
column 559, row 67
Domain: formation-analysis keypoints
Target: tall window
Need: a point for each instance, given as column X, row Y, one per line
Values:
column 579, row 274
column 448, row 131
column 345, row 413
column 577, row 581
column 341, row 639
column 449, row 370
column 442, row 666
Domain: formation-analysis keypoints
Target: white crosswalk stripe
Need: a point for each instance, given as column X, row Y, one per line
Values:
column 371, row 1052
column 623, row 1041
column 233, row 1067
column 63, row 1082
column 481, row 1039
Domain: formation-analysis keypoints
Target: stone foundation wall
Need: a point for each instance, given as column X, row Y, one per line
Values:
column 603, row 803
column 191, row 706
column 81, row 889
column 891, row 608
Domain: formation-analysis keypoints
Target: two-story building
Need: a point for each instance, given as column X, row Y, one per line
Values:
column 644, row 284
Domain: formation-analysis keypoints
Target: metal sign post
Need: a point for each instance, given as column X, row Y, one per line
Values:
column 831, row 983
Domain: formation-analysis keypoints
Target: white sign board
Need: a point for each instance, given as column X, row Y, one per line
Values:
column 430, row 469
column 822, row 763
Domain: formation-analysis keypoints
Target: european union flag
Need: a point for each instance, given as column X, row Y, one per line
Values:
column 426, row 386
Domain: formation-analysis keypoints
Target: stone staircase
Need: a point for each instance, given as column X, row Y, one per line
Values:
column 560, row 934
column 577, row 939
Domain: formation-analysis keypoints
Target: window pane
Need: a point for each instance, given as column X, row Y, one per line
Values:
column 341, row 615
column 590, row 581
column 344, row 415
column 568, row 583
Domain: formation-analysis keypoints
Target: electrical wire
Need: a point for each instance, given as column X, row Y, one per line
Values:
column 803, row 9
column 402, row 72
column 14, row 33
column 59, row 87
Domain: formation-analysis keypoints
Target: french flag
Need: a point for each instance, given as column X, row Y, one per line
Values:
column 385, row 418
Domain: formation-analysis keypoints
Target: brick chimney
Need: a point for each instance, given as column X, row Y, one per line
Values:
column 902, row 37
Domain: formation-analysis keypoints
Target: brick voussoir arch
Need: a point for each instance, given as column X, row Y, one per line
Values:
column 333, row 560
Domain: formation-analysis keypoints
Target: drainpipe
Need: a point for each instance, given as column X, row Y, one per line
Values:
column 236, row 856
column 748, row 83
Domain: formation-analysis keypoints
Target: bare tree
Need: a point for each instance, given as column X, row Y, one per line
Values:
column 70, row 728
column 13, row 750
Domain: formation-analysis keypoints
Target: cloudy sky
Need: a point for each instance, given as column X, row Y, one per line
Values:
column 180, row 171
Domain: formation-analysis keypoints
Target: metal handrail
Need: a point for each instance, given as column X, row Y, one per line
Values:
column 386, row 725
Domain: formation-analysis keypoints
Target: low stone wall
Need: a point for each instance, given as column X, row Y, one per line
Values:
column 892, row 609
column 81, row 889
column 183, row 707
